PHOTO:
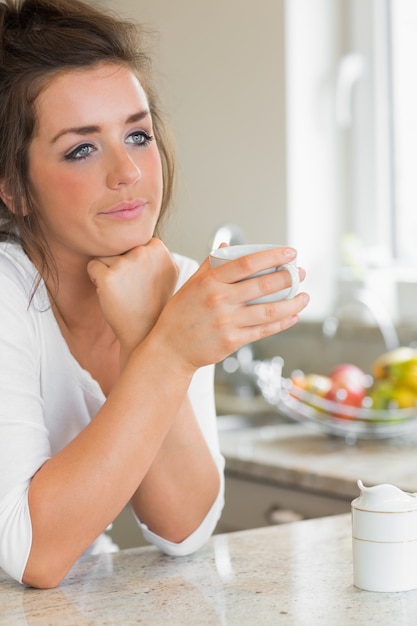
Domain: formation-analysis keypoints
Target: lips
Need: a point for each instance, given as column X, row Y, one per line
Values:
column 126, row 210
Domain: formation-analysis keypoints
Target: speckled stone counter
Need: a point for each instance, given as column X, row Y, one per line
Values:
column 296, row 574
column 296, row 456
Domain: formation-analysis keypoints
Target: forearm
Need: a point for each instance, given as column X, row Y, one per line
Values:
column 182, row 483
column 145, row 434
column 79, row 491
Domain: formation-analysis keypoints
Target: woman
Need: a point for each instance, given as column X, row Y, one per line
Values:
column 107, row 340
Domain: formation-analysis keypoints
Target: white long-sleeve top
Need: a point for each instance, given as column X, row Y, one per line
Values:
column 47, row 398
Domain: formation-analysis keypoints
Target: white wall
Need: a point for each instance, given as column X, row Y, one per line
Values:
column 220, row 66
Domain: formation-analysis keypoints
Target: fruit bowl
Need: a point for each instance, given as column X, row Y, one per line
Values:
column 334, row 418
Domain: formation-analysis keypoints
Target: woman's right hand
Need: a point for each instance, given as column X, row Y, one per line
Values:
column 208, row 318
column 133, row 288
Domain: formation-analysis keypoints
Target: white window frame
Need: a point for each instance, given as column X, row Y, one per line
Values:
column 341, row 153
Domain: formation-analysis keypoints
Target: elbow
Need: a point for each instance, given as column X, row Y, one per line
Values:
column 42, row 580
column 41, row 583
column 44, row 573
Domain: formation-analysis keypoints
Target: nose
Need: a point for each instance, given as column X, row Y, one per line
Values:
column 122, row 169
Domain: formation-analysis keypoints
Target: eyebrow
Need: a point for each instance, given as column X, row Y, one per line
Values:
column 86, row 130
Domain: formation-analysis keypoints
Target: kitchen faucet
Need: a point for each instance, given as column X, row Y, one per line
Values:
column 370, row 302
column 227, row 233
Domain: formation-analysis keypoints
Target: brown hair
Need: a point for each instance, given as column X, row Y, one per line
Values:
column 38, row 39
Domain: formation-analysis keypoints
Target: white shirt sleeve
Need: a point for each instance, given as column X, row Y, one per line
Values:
column 24, row 444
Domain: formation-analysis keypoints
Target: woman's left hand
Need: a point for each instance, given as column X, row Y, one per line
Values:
column 133, row 288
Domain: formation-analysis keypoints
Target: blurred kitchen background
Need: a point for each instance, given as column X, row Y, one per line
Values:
column 295, row 122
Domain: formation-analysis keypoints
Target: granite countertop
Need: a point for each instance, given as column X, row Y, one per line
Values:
column 297, row 456
column 295, row 574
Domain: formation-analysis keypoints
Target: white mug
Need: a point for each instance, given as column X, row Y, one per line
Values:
column 228, row 253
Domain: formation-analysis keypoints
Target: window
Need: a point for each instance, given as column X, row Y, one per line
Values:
column 352, row 131
column 403, row 33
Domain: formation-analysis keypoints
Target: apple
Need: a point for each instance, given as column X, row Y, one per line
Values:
column 351, row 396
column 381, row 394
column 349, row 376
column 349, row 386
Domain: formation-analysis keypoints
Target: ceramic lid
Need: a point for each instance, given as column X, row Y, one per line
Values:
column 384, row 497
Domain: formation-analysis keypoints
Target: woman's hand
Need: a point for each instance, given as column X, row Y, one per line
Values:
column 208, row 318
column 133, row 288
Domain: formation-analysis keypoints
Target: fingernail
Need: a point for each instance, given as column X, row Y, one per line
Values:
column 306, row 298
column 290, row 253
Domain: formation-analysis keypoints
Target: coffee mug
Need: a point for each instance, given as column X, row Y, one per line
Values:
column 229, row 253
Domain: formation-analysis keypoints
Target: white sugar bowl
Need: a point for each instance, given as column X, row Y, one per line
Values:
column 384, row 535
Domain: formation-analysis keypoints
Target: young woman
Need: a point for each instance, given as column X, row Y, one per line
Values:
column 107, row 340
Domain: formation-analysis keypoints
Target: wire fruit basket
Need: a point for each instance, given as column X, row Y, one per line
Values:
column 333, row 418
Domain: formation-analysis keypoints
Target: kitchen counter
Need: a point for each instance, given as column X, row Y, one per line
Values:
column 279, row 471
column 301, row 457
column 295, row 574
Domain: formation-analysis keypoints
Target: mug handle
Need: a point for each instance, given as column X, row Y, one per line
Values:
column 295, row 278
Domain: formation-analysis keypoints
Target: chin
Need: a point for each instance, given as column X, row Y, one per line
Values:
column 122, row 249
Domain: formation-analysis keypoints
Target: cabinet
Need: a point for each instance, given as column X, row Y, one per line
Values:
column 252, row 504
column 125, row 532
column 249, row 503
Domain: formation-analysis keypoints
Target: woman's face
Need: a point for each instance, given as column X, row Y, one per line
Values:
column 94, row 167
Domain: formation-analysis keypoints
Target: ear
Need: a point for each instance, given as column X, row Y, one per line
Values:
column 7, row 197
column 4, row 195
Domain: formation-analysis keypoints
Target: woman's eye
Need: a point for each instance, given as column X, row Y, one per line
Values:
column 79, row 153
column 140, row 138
